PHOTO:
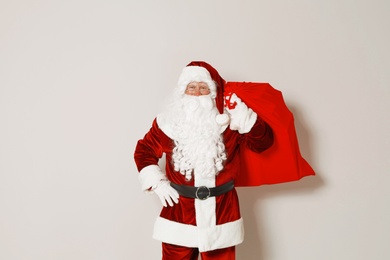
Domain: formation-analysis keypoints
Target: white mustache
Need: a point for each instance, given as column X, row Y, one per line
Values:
column 192, row 103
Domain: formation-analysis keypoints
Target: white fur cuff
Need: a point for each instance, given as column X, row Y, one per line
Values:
column 150, row 176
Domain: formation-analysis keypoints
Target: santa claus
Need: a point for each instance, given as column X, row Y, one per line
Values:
column 201, row 134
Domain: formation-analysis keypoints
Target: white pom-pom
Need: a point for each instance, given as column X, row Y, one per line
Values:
column 222, row 119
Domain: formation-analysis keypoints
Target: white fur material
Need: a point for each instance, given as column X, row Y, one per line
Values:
column 222, row 119
column 150, row 176
column 197, row 74
column 204, row 238
column 165, row 124
column 205, row 211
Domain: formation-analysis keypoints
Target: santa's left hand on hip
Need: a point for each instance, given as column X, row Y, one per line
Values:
column 166, row 193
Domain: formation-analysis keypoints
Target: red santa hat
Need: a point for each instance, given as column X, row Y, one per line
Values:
column 202, row 71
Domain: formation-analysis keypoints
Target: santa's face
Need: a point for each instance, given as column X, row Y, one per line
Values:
column 197, row 89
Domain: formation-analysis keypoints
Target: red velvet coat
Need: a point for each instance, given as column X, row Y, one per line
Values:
column 212, row 223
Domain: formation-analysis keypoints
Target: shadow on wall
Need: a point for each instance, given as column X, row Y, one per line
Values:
column 255, row 243
column 305, row 139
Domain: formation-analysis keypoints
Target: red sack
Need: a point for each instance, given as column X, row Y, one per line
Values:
column 282, row 162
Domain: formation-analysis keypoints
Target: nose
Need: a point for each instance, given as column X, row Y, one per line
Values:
column 197, row 92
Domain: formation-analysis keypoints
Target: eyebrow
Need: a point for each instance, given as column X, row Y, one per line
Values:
column 199, row 85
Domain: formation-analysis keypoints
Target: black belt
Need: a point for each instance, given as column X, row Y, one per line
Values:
column 202, row 192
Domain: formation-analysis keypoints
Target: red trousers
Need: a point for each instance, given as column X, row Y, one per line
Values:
column 174, row 252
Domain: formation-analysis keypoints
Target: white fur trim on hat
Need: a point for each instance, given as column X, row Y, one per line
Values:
column 197, row 74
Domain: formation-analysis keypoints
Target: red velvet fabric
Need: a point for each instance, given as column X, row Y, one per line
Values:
column 173, row 252
column 282, row 162
column 150, row 149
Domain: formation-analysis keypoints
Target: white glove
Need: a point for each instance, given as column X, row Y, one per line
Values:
column 166, row 193
column 242, row 118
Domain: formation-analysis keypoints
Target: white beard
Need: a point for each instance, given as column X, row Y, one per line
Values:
column 199, row 147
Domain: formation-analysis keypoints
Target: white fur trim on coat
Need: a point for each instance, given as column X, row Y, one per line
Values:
column 206, row 239
column 150, row 176
column 165, row 124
